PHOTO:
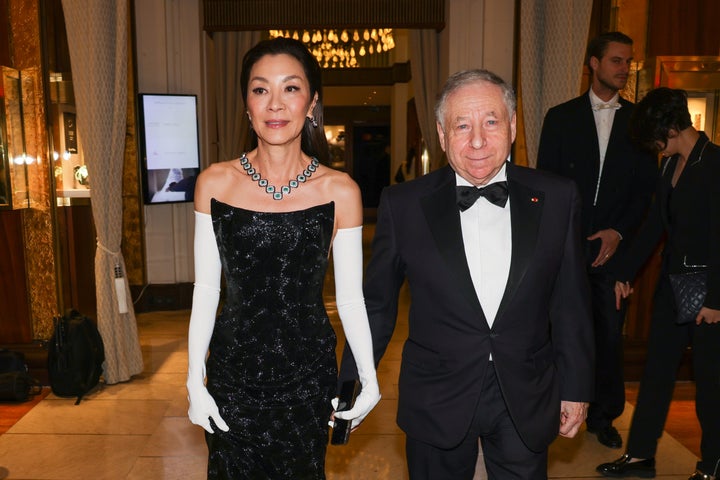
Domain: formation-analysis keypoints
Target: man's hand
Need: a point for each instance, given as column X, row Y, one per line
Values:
column 572, row 415
column 609, row 241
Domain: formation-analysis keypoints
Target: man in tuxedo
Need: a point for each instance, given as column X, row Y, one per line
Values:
column 587, row 139
column 500, row 344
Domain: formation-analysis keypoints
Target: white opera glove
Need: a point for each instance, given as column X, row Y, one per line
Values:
column 206, row 295
column 348, row 267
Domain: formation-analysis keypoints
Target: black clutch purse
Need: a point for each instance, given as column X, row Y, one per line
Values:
column 689, row 290
column 348, row 393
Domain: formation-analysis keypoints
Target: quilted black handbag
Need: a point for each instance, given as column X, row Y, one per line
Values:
column 689, row 290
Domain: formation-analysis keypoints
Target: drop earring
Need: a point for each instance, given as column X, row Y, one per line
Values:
column 313, row 122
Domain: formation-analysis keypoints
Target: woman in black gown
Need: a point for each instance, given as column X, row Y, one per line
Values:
column 686, row 212
column 267, row 222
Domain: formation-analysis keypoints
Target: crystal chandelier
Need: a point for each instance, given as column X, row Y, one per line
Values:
column 341, row 49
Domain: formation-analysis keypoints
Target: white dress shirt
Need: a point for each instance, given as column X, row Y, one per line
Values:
column 486, row 233
column 604, row 113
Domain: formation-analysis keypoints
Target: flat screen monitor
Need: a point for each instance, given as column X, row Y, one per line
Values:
column 169, row 147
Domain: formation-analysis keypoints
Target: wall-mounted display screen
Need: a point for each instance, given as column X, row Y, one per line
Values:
column 169, row 148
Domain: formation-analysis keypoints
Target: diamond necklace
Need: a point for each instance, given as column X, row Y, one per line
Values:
column 285, row 189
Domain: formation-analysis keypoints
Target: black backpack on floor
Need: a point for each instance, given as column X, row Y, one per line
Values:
column 16, row 384
column 75, row 356
column 12, row 361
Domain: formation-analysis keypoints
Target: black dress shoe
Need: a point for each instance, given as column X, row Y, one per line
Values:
column 623, row 468
column 698, row 475
column 608, row 436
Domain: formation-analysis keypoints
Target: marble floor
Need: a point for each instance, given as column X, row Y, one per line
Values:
column 139, row 430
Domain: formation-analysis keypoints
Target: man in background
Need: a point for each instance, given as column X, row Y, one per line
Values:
column 587, row 139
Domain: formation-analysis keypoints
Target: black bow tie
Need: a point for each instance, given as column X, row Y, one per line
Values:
column 496, row 193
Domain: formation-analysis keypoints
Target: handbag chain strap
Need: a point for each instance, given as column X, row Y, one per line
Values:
column 685, row 264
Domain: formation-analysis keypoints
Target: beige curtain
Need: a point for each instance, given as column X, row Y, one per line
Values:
column 230, row 47
column 97, row 33
column 553, row 38
column 424, row 55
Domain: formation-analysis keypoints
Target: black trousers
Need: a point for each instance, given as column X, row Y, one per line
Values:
column 666, row 344
column 506, row 456
column 609, row 401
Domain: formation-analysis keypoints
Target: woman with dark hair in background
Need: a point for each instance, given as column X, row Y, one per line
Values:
column 267, row 222
column 686, row 211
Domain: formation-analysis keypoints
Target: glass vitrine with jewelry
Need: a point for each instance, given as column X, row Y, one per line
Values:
column 13, row 158
column 4, row 167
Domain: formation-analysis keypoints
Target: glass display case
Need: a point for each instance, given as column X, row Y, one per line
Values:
column 4, row 158
column 13, row 158
column 698, row 75
column 335, row 135
column 71, row 174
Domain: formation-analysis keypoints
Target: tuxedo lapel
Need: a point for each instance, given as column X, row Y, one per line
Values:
column 589, row 137
column 443, row 217
column 526, row 207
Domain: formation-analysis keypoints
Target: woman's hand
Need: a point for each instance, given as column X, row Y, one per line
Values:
column 203, row 408
column 365, row 402
column 708, row 315
column 622, row 291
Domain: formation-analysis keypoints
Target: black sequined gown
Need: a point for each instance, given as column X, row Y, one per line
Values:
column 272, row 368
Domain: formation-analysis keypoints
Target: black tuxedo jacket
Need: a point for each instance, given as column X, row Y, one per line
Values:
column 541, row 340
column 569, row 147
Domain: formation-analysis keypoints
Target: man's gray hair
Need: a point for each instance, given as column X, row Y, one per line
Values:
column 467, row 77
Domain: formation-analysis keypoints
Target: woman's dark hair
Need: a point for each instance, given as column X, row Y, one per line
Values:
column 313, row 141
column 661, row 110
